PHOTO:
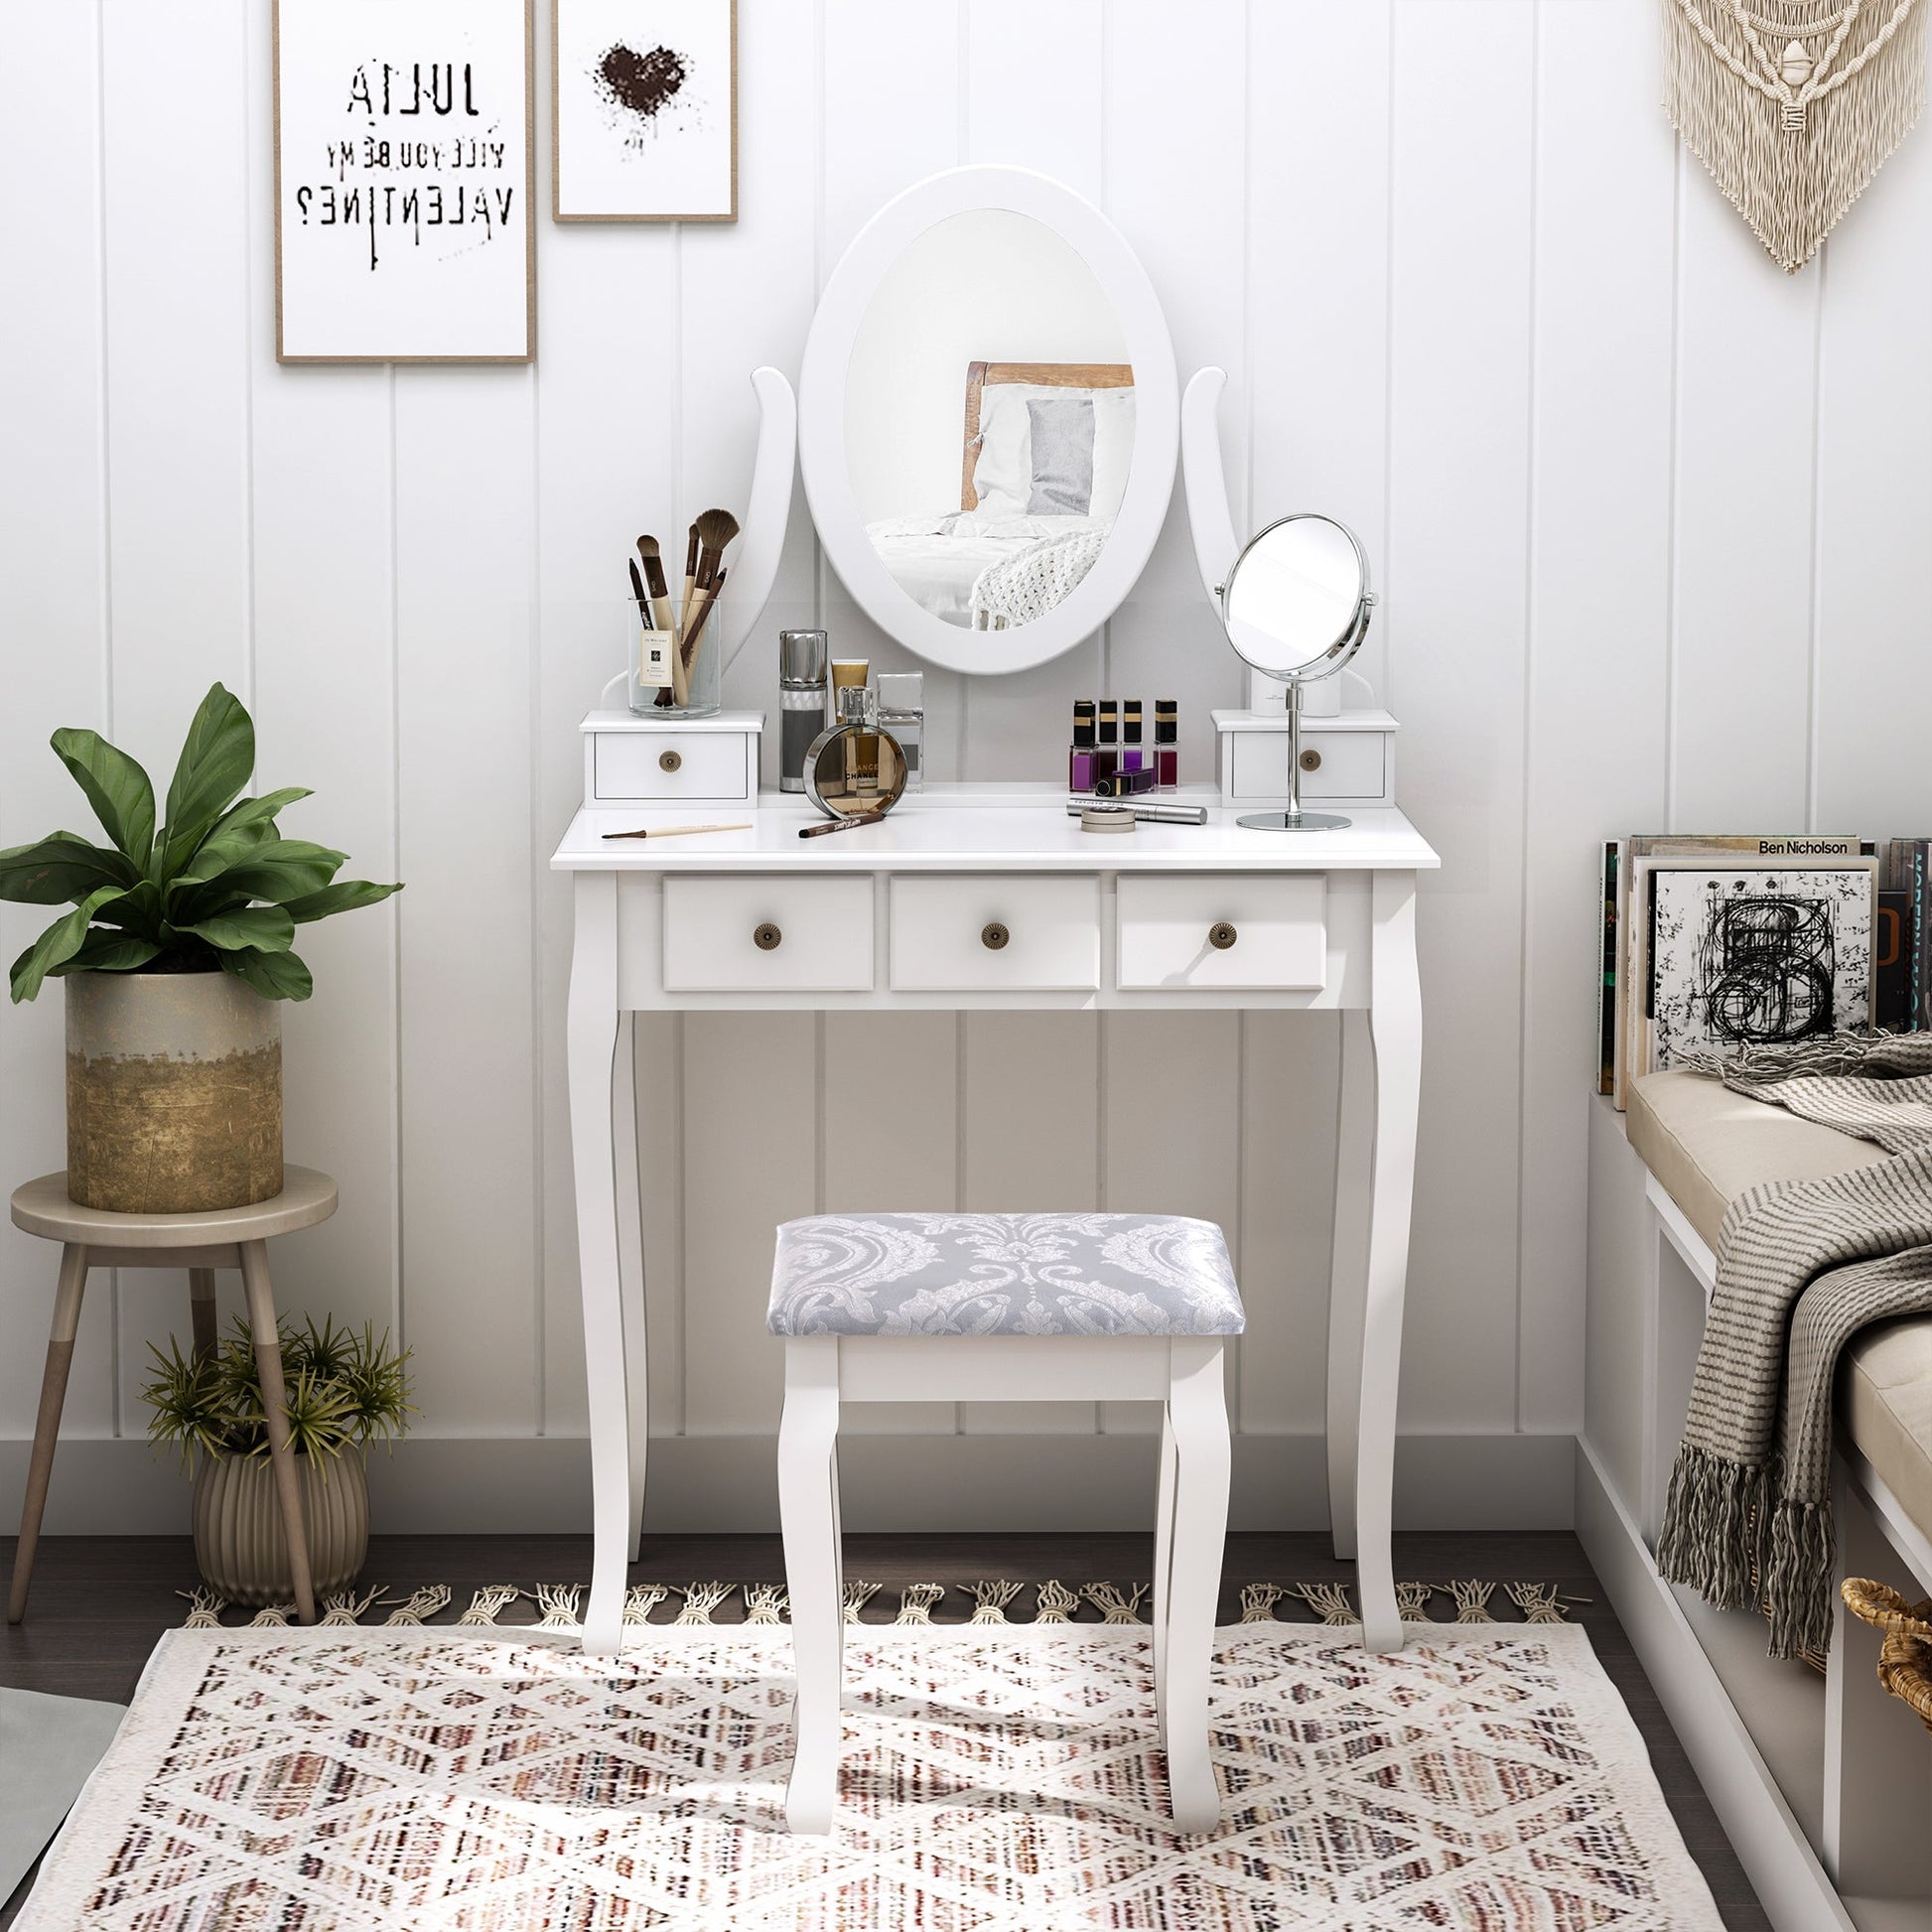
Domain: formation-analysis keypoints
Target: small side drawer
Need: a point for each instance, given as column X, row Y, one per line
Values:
column 767, row 936
column 673, row 765
column 1215, row 932
column 1345, row 765
column 992, row 932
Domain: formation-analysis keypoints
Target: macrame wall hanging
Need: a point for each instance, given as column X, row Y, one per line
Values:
column 1793, row 104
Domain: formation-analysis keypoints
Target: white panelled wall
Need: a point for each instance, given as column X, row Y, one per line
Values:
column 1651, row 520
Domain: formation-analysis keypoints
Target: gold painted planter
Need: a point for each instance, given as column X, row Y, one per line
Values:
column 239, row 1542
column 173, row 1092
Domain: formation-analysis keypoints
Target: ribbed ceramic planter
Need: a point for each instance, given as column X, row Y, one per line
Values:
column 173, row 1092
column 238, row 1539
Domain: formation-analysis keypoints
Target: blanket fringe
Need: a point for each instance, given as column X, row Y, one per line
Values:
column 1710, row 1519
column 1799, row 1563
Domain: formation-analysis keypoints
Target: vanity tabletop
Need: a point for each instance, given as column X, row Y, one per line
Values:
column 976, row 828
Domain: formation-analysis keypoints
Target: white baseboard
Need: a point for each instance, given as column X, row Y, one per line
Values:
column 725, row 1484
column 1791, row 1884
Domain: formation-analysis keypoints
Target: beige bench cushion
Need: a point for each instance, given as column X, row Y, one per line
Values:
column 1707, row 1144
column 1886, row 1409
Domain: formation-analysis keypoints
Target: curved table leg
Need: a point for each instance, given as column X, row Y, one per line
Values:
column 1348, row 1272
column 1395, row 1033
column 591, row 1033
column 631, row 1265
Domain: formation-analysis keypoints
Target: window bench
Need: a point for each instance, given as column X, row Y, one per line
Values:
column 1824, row 1784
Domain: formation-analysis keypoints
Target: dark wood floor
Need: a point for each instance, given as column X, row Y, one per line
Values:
column 99, row 1604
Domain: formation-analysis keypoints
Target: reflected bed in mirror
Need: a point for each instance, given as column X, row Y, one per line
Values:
column 988, row 419
column 995, row 527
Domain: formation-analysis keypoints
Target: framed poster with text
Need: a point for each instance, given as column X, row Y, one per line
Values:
column 404, row 176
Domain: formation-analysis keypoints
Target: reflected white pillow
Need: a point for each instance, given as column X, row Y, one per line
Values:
column 1003, row 473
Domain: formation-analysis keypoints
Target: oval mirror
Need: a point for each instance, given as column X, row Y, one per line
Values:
column 1296, row 603
column 988, row 419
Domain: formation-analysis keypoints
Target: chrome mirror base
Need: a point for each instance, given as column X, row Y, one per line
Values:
column 1292, row 822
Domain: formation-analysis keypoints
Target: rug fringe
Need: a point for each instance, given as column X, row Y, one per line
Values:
column 1054, row 1602
column 917, row 1602
column 1329, row 1601
column 855, row 1594
column 1116, row 1606
column 993, row 1599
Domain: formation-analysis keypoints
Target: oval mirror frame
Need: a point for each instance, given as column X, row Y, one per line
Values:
column 841, row 308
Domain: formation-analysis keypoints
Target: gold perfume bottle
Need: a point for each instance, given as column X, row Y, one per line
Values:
column 855, row 767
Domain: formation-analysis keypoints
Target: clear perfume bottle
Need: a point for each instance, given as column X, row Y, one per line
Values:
column 901, row 715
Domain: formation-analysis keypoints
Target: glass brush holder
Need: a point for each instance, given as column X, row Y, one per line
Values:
column 669, row 679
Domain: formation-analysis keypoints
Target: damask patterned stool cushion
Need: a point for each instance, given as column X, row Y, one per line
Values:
column 1003, row 1275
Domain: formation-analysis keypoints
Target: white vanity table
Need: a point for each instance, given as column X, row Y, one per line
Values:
column 989, row 511
column 896, row 915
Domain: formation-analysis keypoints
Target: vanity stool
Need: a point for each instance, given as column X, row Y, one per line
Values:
column 226, row 1237
column 1022, row 1308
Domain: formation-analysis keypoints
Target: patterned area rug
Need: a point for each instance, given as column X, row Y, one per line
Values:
column 997, row 1778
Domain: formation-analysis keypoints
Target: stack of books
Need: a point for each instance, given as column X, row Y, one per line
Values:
column 1710, row 944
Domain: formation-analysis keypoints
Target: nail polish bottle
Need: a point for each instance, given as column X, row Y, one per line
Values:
column 1080, row 772
column 1106, row 754
column 1134, row 753
column 1167, row 742
column 1124, row 784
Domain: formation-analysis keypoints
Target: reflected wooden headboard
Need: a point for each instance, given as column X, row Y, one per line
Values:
column 1053, row 376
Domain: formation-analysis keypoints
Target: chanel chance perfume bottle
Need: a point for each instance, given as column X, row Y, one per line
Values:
column 1167, row 742
column 856, row 766
column 901, row 716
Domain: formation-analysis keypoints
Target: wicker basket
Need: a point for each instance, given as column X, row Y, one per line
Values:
column 1906, row 1659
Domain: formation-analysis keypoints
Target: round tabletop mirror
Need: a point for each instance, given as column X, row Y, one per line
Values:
column 1295, row 606
column 1295, row 603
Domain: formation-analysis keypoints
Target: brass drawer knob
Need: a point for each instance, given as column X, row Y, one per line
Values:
column 1310, row 760
column 993, row 936
column 767, row 937
column 1221, row 935
column 672, row 761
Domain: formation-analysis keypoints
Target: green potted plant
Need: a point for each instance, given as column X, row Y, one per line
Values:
column 176, row 956
column 346, row 1390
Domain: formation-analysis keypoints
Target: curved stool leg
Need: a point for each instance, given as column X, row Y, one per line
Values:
column 47, row 1426
column 808, row 1513
column 268, row 1359
column 1198, row 1405
column 1162, row 1573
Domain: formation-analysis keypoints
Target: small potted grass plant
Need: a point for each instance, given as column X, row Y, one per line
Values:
column 347, row 1390
column 176, row 956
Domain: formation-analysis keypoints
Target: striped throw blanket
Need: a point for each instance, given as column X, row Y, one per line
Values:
column 1802, row 1267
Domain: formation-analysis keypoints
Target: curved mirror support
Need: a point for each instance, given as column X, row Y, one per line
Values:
column 988, row 419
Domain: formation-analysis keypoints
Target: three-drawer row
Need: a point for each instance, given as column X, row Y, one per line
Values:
column 993, row 932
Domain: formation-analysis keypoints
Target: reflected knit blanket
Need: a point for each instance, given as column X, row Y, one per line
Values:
column 1016, row 590
column 1802, row 1267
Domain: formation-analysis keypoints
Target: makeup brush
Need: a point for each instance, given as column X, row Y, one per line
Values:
column 707, row 597
column 680, row 664
column 716, row 529
column 660, row 590
column 637, row 591
column 839, row 824
column 675, row 831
